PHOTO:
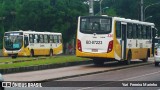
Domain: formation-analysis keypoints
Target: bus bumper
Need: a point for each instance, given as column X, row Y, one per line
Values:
column 95, row 55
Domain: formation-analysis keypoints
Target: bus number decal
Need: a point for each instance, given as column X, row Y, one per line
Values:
column 93, row 42
column 41, row 45
column 109, row 35
column 31, row 44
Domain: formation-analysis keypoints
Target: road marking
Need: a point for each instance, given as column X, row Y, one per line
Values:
column 120, row 80
column 140, row 76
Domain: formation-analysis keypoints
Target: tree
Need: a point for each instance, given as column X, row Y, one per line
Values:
column 62, row 15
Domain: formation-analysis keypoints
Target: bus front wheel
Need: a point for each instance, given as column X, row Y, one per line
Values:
column 13, row 57
column 51, row 53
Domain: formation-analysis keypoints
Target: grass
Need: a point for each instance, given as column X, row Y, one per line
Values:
column 48, row 60
column 9, row 59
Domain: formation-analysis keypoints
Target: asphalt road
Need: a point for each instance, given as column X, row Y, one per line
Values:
column 140, row 73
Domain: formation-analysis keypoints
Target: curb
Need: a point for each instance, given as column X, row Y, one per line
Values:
column 114, row 69
column 43, row 67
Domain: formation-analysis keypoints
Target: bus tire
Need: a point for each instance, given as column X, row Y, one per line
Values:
column 14, row 57
column 98, row 62
column 129, row 57
column 156, row 64
column 32, row 53
column 51, row 52
column 1, row 88
column 146, row 59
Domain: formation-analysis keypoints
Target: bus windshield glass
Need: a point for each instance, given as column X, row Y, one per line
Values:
column 13, row 41
column 99, row 25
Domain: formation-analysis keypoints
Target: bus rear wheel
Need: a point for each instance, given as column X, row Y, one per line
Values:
column 98, row 62
column 156, row 63
column 32, row 53
column 146, row 59
column 129, row 57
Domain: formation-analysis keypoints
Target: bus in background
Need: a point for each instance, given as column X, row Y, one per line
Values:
column 31, row 43
column 105, row 38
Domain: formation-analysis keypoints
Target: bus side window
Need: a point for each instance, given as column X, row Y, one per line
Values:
column 45, row 39
column 35, row 38
column 38, row 38
column 48, row 39
column 51, row 39
column 129, row 31
column 134, row 32
column 118, row 29
column 148, row 30
column 31, row 38
column 139, row 31
column 60, row 39
column 41, row 38
column 55, row 39
column 144, row 32
column 26, row 43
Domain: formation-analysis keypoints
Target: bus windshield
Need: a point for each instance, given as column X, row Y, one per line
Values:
column 99, row 25
column 13, row 42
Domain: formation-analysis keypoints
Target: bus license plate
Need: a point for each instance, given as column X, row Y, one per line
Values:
column 94, row 50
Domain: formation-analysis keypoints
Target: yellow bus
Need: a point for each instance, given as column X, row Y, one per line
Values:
column 105, row 38
column 32, row 43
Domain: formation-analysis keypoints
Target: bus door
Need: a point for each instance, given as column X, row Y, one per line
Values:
column 26, row 44
column 154, row 32
column 123, row 40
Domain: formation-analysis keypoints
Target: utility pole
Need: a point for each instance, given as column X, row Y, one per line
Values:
column 142, row 14
column 100, row 7
column 91, row 11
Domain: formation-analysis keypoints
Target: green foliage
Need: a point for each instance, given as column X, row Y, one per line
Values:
column 62, row 15
column 131, row 9
column 110, row 12
column 25, row 61
column 42, row 15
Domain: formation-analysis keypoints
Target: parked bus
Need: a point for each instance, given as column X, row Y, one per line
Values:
column 32, row 43
column 113, row 38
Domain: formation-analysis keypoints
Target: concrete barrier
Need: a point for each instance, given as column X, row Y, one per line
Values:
column 43, row 67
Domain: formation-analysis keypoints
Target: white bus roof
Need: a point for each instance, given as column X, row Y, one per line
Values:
column 34, row 32
column 132, row 21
